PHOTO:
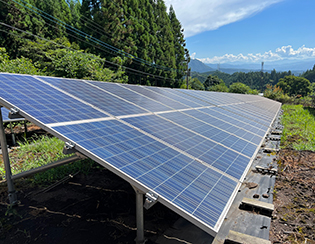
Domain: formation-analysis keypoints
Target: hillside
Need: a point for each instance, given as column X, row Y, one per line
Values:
column 296, row 68
column 197, row 66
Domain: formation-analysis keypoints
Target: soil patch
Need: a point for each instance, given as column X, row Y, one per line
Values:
column 294, row 215
column 94, row 208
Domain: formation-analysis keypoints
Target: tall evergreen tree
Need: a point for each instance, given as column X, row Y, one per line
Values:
column 53, row 10
column 181, row 53
column 16, row 15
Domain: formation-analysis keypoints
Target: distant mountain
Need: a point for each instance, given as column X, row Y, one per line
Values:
column 199, row 66
column 296, row 67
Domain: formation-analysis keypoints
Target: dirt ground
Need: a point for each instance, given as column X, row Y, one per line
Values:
column 294, row 215
column 94, row 208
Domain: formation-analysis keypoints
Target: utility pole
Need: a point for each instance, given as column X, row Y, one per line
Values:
column 262, row 74
column 187, row 60
column 187, row 75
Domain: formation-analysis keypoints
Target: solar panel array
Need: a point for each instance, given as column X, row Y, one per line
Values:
column 191, row 148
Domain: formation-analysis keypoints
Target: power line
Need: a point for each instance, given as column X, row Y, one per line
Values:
column 130, row 70
column 151, row 75
column 81, row 33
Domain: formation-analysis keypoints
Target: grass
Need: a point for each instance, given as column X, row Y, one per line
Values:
column 299, row 127
column 41, row 151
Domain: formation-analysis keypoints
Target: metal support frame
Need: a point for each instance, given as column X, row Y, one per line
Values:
column 12, row 134
column 150, row 199
column 7, row 167
column 25, row 128
column 48, row 166
column 140, row 220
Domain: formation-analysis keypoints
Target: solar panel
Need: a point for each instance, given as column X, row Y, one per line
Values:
column 235, row 120
column 202, row 148
column 176, row 93
column 211, row 98
column 143, row 101
column 101, row 99
column 162, row 95
column 224, row 125
column 156, row 97
column 192, row 148
column 42, row 102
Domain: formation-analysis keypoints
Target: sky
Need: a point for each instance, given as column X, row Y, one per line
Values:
column 248, row 31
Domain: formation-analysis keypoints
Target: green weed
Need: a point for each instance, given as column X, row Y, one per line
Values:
column 299, row 128
column 41, row 151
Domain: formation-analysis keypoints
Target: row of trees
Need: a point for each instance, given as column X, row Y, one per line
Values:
column 138, row 34
column 282, row 86
column 214, row 83
column 255, row 80
column 288, row 87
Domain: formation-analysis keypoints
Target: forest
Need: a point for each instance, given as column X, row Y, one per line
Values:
column 132, row 41
column 282, row 86
column 255, row 80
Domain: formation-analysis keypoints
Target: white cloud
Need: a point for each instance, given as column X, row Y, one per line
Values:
column 204, row 15
column 282, row 53
column 193, row 55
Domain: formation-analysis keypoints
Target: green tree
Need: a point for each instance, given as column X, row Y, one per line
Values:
column 310, row 75
column 75, row 17
column 221, row 87
column 293, row 85
column 76, row 64
column 57, row 9
column 14, row 14
column 211, row 81
column 239, row 87
column 179, row 44
column 195, row 84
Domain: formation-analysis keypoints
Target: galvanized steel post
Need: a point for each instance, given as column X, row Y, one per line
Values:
column 140, row 221
column 7, row 167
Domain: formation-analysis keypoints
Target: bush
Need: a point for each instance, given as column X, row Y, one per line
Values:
column 239, row 87
column 20, row 65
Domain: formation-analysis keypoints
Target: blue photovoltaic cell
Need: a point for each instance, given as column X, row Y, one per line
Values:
column 163, row 93
column 157, row 97
column 5, row 113
column 230, row 98
column 240, row 111
column 224, row 126
column 213, row 133
column 268, row 105
column 207, row 97
column 202, row 148
column 235, row 120
column 238, row 117
column 181, row 93
column 190, row 185
column 258, row 112
column 92, row 95
column 43, row 102
column 142, row 101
